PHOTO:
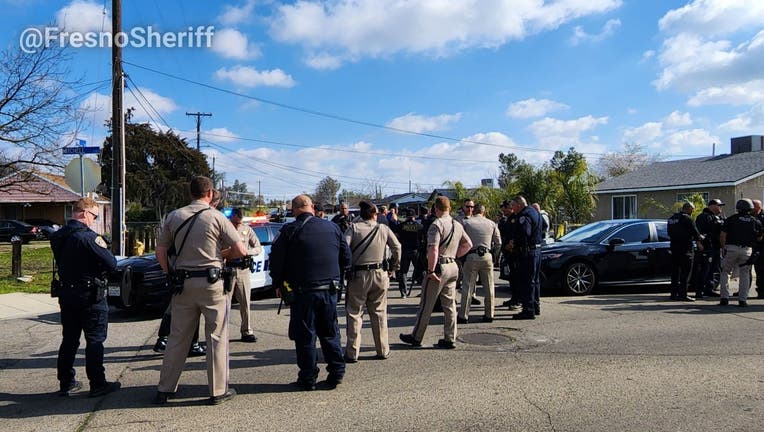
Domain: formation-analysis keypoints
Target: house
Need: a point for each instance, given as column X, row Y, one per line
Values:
column 646, row 192
column 45, row 196
column 404, row 200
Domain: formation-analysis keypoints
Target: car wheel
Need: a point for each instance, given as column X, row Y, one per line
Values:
column 579, row 278
column 126, row 298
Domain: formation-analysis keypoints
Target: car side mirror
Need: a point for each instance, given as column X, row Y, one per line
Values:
column 615, row 242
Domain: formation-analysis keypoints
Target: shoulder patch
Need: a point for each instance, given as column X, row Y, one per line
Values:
column 101, row 242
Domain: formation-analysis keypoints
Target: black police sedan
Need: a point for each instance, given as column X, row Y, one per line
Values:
column 10, row 228
column 140, row 281
column 611, row 252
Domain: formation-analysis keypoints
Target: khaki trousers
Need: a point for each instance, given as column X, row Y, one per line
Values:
column 198, row 298
column 367, row 288
column 445, row 291
column 243, row 293
column 475, row 265
column 735, row 256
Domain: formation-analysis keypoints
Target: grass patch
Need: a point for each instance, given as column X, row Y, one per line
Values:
column 36, row 261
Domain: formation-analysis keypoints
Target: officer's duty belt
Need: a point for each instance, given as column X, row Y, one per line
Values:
column 445, row 260
column 479, row 250
column 367, row 267
column 322, row 287
column 196, row 273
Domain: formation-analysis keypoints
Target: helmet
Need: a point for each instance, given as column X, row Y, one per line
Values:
column 744, row 205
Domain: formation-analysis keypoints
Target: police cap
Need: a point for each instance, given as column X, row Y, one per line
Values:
column 716, row 201
column 744, row 205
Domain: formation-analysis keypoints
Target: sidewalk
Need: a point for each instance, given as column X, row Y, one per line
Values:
column 22, row 305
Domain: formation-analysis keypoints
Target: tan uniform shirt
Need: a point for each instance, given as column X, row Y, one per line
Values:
column 248, row 236
column 440, row 230
column 212, row 232
column 482, row 231
column 375, row 253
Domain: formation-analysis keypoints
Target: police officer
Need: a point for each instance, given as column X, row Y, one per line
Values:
column 306, row 260
column 759, row 252
column 508, row 261
column 197, row 235
column 410, row 235
column 466, row 212
column 83, row 258
column 479, row 261
column 709, row 223
column 241, row 268
column 682, row 232
column 369, row 282
column 446, row 240
column 525, row 244
column 342, row 219
column 739, row 233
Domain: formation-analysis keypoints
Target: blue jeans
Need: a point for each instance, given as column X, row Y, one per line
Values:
column 314, row 315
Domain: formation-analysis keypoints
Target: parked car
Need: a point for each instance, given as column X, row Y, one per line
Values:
column 140, row 281
column 612, row 252
column 45, row 227
column 10, row 228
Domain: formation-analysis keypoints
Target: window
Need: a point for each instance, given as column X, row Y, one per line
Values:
column 681, row 197
column 662, row 229
column 624, row 207
column 637, row 233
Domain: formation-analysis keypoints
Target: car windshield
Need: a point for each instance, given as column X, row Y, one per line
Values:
column 590, row 233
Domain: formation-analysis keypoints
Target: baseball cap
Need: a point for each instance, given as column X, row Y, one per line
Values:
column 716, row 201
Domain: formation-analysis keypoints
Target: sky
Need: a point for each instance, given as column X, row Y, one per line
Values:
column 404, row 94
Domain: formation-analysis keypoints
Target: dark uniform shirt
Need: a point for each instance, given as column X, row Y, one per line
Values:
column 742, row 229
column 710, row 225
column 506, row 225
column 409, row 233
column 682, row 231
column 309, row 253
column 80, row 253
column 342, row 221
column 528, row 229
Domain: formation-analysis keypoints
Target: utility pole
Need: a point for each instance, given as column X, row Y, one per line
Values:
column 198, row 116
column 117, row 136
column 258, row 192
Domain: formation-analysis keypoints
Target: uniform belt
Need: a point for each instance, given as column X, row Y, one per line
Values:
column 367, row 267
column 445, row 260
column 197, row 273
column 478, row 250
column 321, row 287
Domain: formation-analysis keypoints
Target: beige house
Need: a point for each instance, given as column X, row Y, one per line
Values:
column 646, row 192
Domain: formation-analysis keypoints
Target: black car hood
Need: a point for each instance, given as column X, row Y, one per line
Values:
column 139, row 262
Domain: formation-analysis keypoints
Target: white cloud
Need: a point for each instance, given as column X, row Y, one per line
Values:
column 351, row 29
column 231, row 43
column 687, row 142
column 743, row 124
column 323, row 61
column 548, row 127
column 580, row 35
column 416, row 123
column 533, row 108
column 250, row 77
column 713, row 17
column 554, row 134
column 233, row 15
column 646, row 133
column 83, row 16
column 677, row 119
column 98, row 106
column 220, row 135
column 747, row 93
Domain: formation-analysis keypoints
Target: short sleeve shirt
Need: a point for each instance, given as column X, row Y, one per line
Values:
column 440, row 230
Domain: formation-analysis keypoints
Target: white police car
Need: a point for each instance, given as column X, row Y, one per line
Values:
column 266, row 232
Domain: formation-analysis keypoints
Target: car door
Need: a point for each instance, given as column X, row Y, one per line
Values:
column 659, row 257
column 259, row 278
column 628, row 261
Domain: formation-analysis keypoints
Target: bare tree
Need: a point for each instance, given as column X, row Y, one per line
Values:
column 38, row 110
column 631, row 158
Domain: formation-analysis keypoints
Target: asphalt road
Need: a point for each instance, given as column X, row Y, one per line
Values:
column 609, row 362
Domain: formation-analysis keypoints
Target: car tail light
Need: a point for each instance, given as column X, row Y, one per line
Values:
column 34, row 230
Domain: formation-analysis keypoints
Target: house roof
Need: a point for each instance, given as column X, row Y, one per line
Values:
column 409, row 197
column 712, row 171
column 41, row 187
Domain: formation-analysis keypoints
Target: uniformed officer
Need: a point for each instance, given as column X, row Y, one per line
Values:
column 83, row 258
column 382, row 216
column 739, row 232
column 306, row 259
column 370, row 280
column 709, row 223
column 242, row 272
column 508, row 261
column 479, row 261
column 410, row 235
column 525, row 244
column 446, row 240
column 759, row 250
column 466, row 212
column 682, row 232
column 190, row 249
column 342, row 219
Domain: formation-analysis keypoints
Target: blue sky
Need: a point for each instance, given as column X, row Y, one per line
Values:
column 516, row 76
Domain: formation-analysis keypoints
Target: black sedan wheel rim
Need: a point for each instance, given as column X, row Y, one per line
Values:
column 580, row 278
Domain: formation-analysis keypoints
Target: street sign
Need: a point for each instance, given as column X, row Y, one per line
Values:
column 81, row 150
column 82, row 175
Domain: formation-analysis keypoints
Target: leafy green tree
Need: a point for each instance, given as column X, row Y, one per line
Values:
column 575, row 184
column 326, row 190
column 158, row 167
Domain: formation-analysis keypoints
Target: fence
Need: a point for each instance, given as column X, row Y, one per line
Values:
column 144, row 232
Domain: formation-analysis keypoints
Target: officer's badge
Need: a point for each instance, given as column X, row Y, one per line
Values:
column 101, row 242
column 522, row 219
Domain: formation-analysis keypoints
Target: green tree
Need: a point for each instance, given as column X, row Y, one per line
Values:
column 326, row 190
column 158, row 167
column 575, row 184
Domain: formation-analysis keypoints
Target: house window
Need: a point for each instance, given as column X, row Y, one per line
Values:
column 624, row 207
column 683, row 196
column 68, row 210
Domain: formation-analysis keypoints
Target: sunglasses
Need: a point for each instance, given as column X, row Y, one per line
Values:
column 95, row 215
